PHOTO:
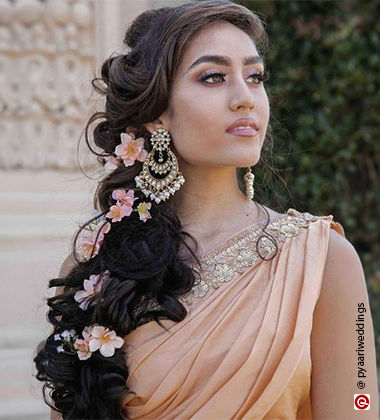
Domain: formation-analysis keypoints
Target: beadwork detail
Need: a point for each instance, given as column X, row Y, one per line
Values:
column 219, row 265
column 234, row 255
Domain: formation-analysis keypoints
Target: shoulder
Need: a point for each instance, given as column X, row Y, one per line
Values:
column 343, row 268
column 55, row 415
column 67, row 266
column 65, row 269
column 334, row 337
column 343, row 283
column 343, row 272
column 343, row 276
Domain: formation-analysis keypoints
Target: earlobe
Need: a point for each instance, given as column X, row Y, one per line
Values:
column 150, row 127
column 154, row 125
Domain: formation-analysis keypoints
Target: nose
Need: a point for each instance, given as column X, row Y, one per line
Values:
column 242, row 97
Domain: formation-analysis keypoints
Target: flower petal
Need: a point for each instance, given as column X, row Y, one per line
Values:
column 117, row 342
column 104, row 229
column 141, row 141
column 118, row 194
column 107, row 350
column 98, row 331
column 110, row 167
column 84, row 305
column 84, row 355
column 119, row 150
column 80, row 295
column 125, row 138
column 88, row 285
column 128, row 162
column 86, row 333
column 94, row 344
column 142, row 156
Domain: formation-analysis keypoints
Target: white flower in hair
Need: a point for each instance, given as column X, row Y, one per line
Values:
column 104, row 340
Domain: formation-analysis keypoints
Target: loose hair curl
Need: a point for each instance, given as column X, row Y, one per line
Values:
column 147, row 270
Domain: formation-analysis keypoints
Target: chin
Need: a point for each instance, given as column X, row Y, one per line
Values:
column 253, row 160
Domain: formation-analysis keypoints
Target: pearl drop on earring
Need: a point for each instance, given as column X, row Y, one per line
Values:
column 248, row 179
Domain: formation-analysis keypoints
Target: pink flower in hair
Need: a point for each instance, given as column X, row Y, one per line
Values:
column 111, row 164
column 130, row 149
column 82, row 346
column 118, row 211
column 95, row 337
column 124, row 197
column 88, row 248
column 91, row 286
column 106, row 227
column 90, row 241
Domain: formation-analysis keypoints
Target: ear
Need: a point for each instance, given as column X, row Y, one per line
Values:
column 152, row 126
column 160, row 122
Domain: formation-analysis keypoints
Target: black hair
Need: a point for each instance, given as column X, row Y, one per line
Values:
column 147, row 268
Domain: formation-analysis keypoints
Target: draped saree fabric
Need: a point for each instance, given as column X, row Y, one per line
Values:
column 243, row 350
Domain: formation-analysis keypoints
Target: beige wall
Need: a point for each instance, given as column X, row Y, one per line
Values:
column 49, row 51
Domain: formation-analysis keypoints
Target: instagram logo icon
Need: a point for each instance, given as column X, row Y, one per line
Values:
column 361, row 401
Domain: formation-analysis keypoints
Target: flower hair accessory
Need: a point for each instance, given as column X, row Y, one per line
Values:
column 66, row 338
column 91, row 238
column 128, row 151
column 104, row 340
column 112, row 163
column 91, row 286
column 124, row 206
column 131, row 149
column 94, row 337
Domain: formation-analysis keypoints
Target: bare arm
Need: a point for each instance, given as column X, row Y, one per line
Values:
column 65, row 269
column 63, row 272
column 335, row 341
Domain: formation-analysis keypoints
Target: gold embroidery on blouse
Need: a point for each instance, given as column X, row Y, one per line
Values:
column 235, row 255
column 239, row 252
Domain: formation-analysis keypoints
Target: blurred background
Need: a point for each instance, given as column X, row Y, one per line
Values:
column 324, row 88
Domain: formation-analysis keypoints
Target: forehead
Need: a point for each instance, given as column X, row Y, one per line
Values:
column 219, row 39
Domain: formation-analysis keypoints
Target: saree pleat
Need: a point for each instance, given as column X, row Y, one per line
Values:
column 243, row 351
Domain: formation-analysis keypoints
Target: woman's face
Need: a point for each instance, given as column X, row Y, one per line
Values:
column 200, row 111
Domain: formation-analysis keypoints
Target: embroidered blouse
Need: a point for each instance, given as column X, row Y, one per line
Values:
column 243, row 350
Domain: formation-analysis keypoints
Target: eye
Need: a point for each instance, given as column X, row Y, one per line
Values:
column 261, row 77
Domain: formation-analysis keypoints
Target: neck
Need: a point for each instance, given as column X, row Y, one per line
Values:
column 211, row 199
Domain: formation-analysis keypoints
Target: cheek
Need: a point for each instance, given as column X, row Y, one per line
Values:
column 264, row 103
column 197, row 107
column 193, row 122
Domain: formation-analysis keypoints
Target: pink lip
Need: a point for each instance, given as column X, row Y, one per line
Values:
column 246, row 132
column 242, row 122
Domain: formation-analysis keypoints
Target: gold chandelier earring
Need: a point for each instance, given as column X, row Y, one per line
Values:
column 249, row 177
column 160, row 188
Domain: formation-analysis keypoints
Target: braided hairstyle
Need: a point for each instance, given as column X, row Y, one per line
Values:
column 134, row 269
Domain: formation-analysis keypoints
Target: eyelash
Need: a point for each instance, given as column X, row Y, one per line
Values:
column 261, row 76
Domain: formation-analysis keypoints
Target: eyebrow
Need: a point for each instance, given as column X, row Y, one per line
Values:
column 225, row 61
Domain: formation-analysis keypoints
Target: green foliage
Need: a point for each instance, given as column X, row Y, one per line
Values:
column 324, row 89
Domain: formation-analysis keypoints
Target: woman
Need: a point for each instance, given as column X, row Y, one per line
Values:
column 254, row 319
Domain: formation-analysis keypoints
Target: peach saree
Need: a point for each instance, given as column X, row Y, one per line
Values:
column 243, row 350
